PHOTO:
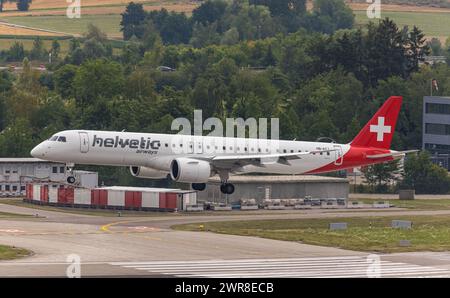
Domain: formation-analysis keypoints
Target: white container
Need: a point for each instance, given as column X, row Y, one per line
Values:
column 276, row 207
column 116, row 198
column 53, row 195
column 381, row 205
column 150, row 200
column 82, row 196
column 36, row 192
column 221, row 208
column 189, row 199
column 249, row 207
column 194, row 208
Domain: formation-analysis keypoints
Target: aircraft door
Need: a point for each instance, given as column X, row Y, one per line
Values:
column 84, row 142
column 339, row 155
column 198, row 146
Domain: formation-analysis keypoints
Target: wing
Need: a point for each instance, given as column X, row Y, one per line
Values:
column 260, row 160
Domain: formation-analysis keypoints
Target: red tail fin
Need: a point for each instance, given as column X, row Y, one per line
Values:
column 379, row 130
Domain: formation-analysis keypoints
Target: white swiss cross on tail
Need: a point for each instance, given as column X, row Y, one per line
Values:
column 380, row 129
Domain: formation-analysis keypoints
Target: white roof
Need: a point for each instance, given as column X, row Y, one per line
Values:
column 144, row 189
column 23, row 160
column 279, row 179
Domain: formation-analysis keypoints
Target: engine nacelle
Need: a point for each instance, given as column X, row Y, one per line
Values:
column 149, row 173
column 190, row 170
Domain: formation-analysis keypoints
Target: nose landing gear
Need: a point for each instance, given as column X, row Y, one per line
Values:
column 70, row 179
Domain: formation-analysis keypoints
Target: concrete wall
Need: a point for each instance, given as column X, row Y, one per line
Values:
column 261, row 191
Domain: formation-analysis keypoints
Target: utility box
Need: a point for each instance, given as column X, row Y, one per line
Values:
column 406, row 194
column 86, row 179
column 338, row 226
column 401, row 224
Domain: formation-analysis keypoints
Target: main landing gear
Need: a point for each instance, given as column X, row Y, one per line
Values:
column 226, row 188
column 70, row 179
column 199, row 186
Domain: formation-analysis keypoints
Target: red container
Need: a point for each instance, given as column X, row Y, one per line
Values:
column 70, row 195
column 62, row 195
column 133, row 199
column 94, row 197
column 29, row 189
column 171, row 200
column 167, row 200
column 162, row 200
column 44, row 193
column 103, row 197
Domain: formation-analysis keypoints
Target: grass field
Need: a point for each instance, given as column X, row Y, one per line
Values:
column 10, row 253
column 433, row 24
column 110, row 24
column 435, row 204
column 371, row 234
column 12, row 215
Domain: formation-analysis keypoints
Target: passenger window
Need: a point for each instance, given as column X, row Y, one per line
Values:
column 284, row 151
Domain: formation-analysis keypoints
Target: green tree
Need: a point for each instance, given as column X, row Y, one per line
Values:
column 379, row 176
column 435, row 46
column 416, row 49
column 331, row 15
column 132, row 21
column 424, row 176
column 56, row 49
column 64, row 80
column 23, row 5
column 38, row 51
column 16, row 140
column 16, row 52
column 209, row 12
column 98, row 78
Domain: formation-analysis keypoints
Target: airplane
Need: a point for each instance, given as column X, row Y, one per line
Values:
column 194, row 159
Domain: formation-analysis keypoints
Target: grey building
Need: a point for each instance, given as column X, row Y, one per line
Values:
column 276, row 187
column 15, row 173
column 436, row 129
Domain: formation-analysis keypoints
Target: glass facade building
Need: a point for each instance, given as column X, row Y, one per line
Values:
column 436, row 129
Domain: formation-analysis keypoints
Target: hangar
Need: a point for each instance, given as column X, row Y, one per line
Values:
column 263, row 188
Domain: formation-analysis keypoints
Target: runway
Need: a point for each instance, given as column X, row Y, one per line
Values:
column 147, row 247
column 331, row 267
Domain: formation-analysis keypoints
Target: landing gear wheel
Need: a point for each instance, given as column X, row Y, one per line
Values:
column 199, row 186
column 227, row 188
column 71, row 180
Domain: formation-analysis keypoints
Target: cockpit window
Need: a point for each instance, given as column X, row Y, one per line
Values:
column 62, row 139
column 54, row 138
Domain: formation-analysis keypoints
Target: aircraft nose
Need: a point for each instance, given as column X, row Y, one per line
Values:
column 38, row 151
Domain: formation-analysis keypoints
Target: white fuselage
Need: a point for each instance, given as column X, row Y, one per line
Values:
column 157, row 151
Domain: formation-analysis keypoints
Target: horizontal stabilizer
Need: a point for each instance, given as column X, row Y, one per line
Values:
column 393, row 154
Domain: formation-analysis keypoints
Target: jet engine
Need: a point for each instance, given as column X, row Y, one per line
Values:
column 149, row 173
column 190, row 170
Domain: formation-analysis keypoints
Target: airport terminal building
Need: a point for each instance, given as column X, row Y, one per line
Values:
column 436, row 129
column 15, row 173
